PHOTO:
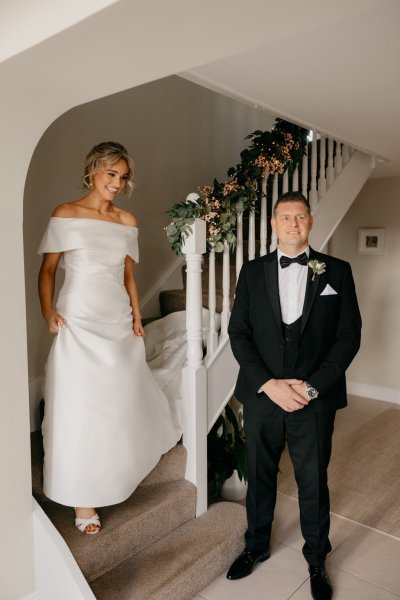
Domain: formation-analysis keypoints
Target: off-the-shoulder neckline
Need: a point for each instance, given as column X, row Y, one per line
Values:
column 99, row 220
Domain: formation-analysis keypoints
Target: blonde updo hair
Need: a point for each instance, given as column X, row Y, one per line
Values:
column 103, row 155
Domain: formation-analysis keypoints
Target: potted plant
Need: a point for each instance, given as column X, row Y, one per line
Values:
column 227, row 450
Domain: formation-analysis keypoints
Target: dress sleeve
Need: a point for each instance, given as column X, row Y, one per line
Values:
column 132, row 245
column 63, row 234
column 54, row 238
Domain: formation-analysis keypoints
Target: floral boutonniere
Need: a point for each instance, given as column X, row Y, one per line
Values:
column 317, row 268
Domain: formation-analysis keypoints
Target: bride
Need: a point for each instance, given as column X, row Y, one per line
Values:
column 106, row 422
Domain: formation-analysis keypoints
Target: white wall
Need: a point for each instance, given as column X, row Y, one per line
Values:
column 180, row 136
column 375, row 370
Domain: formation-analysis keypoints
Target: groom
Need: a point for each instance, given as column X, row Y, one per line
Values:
column 295, row 328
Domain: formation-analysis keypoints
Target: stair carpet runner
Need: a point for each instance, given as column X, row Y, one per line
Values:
column 151, row 547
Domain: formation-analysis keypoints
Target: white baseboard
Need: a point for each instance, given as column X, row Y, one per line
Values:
column 375, row 392
column 35, row 396
column 171, row 279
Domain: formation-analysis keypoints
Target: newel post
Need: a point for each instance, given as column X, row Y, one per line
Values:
column 194, row 378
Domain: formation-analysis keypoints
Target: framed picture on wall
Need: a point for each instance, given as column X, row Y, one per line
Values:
column 371, row 241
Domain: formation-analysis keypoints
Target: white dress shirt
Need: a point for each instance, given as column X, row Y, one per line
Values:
column 292, row 288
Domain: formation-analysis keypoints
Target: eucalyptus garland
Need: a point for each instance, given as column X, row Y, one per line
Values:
column 269, row 152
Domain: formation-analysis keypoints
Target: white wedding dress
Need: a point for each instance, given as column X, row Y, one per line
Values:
column 106, row 422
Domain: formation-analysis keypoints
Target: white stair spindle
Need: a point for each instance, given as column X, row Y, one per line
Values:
column 239, row 243
column 295, row 180
column 226, row 283
column 338, row 158
column 274, row 239
column 212, row 337
column 330, row 171
column 263, row 216
column 313, row 183
column 345, row 154
column 285, row 182
column 304, row 176
column 252, row 234
column 322, row 177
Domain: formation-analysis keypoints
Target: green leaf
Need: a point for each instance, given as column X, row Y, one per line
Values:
column 182, row 211
column 171, row 229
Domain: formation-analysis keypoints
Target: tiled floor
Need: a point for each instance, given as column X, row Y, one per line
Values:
column 364, row 563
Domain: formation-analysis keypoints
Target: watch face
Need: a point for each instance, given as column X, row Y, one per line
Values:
column 312, row 392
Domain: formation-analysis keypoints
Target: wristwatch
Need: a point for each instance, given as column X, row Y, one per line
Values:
column 312, row 393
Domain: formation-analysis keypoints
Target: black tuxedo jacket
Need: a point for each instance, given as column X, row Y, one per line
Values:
column 330, row 332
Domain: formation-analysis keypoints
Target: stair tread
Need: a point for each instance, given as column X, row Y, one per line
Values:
column 180, row 564
column 171, row 467
column 151, row 512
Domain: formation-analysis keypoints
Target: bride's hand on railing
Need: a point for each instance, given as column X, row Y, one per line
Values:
column 54, row 321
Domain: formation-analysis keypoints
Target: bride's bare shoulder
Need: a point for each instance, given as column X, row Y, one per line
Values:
column 69, row 209
column 127, row 218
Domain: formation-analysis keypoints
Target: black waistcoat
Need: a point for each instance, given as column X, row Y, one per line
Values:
column 292, row 338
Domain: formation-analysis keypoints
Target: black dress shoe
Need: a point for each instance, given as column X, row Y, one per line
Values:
column 321, row 588
column 245, row 563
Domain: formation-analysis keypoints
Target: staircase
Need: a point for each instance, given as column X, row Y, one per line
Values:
column 151, row 546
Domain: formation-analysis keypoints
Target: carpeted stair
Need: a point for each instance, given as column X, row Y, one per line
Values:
column 151, row 546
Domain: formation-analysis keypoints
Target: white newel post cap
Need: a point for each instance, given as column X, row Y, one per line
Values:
column 192, row 197
column 196, row 242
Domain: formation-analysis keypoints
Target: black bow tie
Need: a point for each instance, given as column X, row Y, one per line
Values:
column 302, row 259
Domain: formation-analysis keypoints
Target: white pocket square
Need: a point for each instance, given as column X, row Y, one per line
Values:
column 328, row 291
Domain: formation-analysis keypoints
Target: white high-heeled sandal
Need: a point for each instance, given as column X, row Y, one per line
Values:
column 82, row 524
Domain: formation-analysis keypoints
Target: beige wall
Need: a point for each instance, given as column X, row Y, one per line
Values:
column 375, row 370
column 180, row 135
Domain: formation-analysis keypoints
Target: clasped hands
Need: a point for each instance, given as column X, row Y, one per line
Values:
column 289, row 394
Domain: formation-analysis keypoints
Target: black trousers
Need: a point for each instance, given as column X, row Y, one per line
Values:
column 309, row 439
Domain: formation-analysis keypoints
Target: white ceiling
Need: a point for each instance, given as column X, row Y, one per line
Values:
column 328, row 64
column 24, row 23
column 338, row 72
